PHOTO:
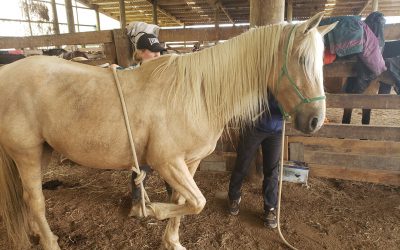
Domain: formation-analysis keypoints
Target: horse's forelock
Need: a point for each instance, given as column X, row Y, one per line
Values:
column 311, row 48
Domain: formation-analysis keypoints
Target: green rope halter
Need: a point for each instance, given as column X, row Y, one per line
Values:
column 285, row 72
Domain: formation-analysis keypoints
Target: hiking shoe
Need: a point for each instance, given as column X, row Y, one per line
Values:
column 270, row 219
column 234, row 206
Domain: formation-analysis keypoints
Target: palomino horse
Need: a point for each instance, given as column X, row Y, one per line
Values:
column 178, row 107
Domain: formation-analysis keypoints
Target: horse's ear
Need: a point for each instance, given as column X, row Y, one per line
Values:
column 323, row 30
column 311, row 23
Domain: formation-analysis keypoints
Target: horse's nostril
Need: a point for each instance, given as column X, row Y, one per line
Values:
column 314, row 123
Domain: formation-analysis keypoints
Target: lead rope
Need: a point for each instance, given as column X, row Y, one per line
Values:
column 141, row 175
column 280, row 191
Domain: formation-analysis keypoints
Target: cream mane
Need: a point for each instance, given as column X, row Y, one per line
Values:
column 230, row 81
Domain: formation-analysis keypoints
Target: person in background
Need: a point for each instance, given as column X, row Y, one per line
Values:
column 147, row 48
column 268, row 134
column 196, row 47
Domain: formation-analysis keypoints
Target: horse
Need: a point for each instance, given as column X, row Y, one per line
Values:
column 62, row 53
column 178, row 106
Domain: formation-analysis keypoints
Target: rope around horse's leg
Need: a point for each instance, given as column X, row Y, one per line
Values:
column 135, row 166
column 280, row 191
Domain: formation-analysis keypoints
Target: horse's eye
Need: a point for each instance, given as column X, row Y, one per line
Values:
column 302, row 60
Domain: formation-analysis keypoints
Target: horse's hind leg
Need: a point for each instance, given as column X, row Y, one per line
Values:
column 28, row 163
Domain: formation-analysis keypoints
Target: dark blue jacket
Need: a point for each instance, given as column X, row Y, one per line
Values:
column 271, row 122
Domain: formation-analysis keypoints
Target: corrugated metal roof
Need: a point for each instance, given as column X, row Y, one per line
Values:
column 192, row 12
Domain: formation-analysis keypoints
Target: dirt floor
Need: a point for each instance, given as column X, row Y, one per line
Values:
column 88, row 210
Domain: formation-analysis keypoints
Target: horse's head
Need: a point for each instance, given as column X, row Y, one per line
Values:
column 299, row 87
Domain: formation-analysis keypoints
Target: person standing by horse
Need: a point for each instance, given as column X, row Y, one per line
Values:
column 267, row 133
column 147, row 48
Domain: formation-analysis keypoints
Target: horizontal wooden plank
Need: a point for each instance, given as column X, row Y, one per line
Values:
column 340, row 68
column 96, row 62
column 202, row 34
column 353, row 160
column 363, row 101
column 351, row 146
column 379, row 133
column 93, row 37
column 392, row 31
column 354, row 174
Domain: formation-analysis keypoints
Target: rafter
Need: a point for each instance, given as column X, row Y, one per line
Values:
column 166, row 13
column 218, row 5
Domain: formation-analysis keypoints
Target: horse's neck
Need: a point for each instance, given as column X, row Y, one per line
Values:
column 235, row 83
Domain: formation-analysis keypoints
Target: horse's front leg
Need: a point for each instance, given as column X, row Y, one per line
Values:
column 171, row 234
column 178, row 176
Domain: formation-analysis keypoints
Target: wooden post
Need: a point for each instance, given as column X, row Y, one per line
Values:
column 56, row 28
column 96, row 9
column 217, row 24
column 264, row 12
column 122, row 16
column 29, row 17
column 289, row 11
column 70, row 16
column 375, row 5
column 123, row 48
column 155, row 18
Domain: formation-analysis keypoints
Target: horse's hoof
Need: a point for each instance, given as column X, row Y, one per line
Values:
column 136, row 211
column 174, row 246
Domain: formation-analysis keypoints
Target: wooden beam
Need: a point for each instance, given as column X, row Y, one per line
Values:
column 289, row 11
column 379, row 133
column 350, row 146
column 217, row 5
column 173, row 18
column 392, row 31
column 155, row 20
column 122, row 17
column 123, row 48
column 70, row 16
column 375, row 5
column 355, row 174
column 204, row 34
column 56, row 27
column 361, row 161
column 340, row 69
column 263, row 12
column 364, row 6
column 93, row 37
column 96, row 10
column 363, row 101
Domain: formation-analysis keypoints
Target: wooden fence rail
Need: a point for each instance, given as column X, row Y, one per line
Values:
column 352, row 152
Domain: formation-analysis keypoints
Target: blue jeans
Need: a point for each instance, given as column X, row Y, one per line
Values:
column 249, row 142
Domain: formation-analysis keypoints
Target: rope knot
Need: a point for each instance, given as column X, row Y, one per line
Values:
column 140, row 177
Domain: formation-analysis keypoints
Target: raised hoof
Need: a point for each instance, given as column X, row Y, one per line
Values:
column 52, row 245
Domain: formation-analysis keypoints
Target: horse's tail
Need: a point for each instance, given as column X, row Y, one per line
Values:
column 13, row 210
